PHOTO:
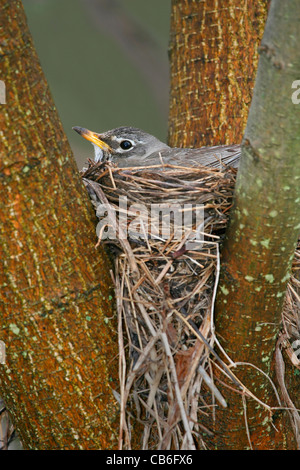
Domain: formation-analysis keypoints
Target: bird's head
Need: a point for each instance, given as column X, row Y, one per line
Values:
column 121, row 143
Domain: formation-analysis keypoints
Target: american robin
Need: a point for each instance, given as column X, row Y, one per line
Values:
column 132, row 147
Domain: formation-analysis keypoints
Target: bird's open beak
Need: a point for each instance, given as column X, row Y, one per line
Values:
column 92, row 137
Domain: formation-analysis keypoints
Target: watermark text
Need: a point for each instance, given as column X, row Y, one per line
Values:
column 2, row 352
column 2, row 92
column 163, row 221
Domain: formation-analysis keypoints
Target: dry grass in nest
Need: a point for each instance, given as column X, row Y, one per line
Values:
column 165, row 301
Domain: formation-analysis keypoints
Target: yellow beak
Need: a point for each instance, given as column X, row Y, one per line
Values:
column 92, row 137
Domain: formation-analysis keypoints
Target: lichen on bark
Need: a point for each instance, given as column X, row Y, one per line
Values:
column 57, row 319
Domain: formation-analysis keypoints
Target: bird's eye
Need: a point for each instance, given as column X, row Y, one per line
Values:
column 125, row 145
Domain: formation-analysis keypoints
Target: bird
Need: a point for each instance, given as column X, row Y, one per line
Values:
column 133, row 147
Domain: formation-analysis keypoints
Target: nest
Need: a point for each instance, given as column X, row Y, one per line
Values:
column 165, row 285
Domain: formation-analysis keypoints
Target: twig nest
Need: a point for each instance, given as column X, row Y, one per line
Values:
column 167, row 223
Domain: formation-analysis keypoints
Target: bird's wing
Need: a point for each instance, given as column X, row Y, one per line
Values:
column 214, row 157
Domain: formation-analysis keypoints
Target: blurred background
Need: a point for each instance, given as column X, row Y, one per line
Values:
column 106, row 62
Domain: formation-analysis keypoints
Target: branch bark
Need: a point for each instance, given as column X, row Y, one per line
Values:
column 214, row 54
column 57, row 317
column 213, row 59
column 263, row 233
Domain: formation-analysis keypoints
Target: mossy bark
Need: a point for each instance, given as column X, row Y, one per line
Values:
column 57, row 318
column 213, row 60
column 263, row 233
column 213, row 57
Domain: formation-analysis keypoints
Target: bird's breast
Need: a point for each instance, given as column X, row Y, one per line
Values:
column 99, row 154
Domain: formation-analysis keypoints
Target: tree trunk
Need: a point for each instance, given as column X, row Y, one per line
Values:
column 262, row 234
column 212, row 77
column 57, row 317
column 213, row 60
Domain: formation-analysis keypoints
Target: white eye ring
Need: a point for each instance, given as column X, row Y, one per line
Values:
column 126, row 145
